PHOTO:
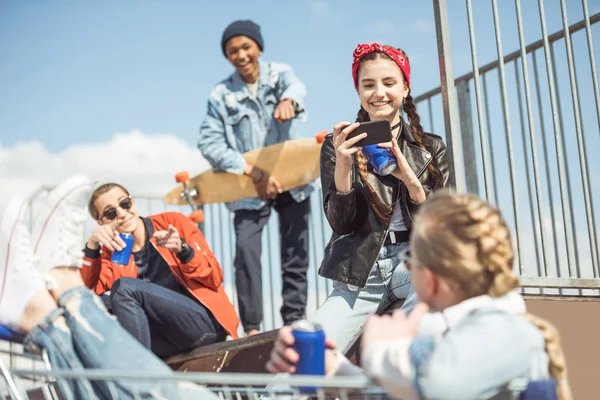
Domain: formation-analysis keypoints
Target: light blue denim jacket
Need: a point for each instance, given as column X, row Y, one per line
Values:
column 236, row 122
column 470, row 351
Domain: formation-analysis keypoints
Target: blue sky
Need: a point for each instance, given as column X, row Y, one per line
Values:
column 77, row 72
column 118, row 90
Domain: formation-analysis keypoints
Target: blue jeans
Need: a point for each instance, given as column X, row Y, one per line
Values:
column 345, row 312
column 163, row 320
column 80, row 335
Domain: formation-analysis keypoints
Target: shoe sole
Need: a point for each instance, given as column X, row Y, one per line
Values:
column 16, row 203
column 57, row 196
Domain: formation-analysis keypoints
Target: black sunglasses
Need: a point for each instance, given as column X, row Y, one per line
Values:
column 111, row 213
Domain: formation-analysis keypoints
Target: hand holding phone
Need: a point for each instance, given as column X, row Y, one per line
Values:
column 377, row 132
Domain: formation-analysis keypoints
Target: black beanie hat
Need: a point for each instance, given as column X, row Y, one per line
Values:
column 242, row 28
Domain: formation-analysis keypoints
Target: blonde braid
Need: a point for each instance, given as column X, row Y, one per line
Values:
column 466, row 240
column 557, row 362
column 494, row 245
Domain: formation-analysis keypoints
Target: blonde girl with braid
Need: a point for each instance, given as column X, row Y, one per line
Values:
column 471, row 335
column 371, row 216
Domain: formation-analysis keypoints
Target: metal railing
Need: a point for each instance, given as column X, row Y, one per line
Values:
column 554, row 225
column 550, row 258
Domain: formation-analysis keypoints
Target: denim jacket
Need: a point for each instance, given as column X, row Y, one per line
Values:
column 470, row 351
column 236, row 122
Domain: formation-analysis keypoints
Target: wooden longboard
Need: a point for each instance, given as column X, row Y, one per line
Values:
column 293, row 163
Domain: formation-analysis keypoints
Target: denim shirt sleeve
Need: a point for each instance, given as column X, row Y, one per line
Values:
column 292, row 88
column 213, row 142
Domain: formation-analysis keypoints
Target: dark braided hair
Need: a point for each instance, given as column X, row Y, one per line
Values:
column 382, row 212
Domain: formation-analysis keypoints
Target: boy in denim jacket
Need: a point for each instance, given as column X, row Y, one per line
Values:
column 257, row 106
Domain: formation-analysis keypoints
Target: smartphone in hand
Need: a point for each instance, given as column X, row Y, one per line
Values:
column 377, row 132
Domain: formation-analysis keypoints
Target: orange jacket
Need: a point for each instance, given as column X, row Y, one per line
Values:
column 201, row 276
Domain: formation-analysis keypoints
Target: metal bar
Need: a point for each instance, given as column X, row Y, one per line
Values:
column 583, row 164
column 508, row 132
column 468, row 145
column 223, row 216
column 448, row 95
column 536, row 171
column 588, row 32
column 14, row 391
column 561, row 283
column 540, row 262
column 270, row 264
column 223, row 378
column 544, row 147
column 324, row 232
column 486, row 104
column 313, row 235
column 430, row 111
column 487, row 179
column 232, row 241
column 512, row 56
column 561, row 125
column 558, row 139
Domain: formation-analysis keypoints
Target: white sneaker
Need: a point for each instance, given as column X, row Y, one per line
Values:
column 58, row 229
column 19, row 277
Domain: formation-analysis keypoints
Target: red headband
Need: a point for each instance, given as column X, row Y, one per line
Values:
column 395, row 54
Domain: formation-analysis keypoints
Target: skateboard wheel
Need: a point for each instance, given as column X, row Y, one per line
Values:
column 320, row 137
column 182, row 176
column 197, row 216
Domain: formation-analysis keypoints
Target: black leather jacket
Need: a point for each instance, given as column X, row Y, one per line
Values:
column 357, row 233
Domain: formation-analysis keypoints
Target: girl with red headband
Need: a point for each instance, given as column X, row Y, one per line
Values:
column 371, row 215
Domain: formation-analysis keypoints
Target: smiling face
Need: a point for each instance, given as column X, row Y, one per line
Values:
column 115, row 203
column 243, row 52
column 381, row 88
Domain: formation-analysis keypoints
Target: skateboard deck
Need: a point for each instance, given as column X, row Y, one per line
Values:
column 293, row 163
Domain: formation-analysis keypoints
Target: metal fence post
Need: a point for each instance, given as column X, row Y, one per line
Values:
column 468, row 138
column 442, row 30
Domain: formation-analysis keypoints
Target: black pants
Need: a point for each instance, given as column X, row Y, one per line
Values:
column 166, row 322
column 293, row 229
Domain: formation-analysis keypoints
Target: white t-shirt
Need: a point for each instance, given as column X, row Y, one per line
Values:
column 397, row 222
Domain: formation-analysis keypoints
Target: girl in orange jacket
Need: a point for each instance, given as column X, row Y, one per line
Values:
column 170, row 294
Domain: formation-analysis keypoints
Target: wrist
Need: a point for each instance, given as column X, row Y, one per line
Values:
column 180, row 249
column 416, row 192
column 92, row 245
column 292, row 101
column 257, row 176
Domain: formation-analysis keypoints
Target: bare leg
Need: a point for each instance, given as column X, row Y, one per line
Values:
column 65, row 278
column 40, row 305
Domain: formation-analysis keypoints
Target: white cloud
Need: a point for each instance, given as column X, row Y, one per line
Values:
column 319, row 7
column 145, row 163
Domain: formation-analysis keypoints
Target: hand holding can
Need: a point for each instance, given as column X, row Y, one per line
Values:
column 122, row 256
column 309, row 343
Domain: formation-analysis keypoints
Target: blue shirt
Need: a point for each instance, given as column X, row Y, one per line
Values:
column 237, row 122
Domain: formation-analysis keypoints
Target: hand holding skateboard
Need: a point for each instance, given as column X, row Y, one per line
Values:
column 290, row 164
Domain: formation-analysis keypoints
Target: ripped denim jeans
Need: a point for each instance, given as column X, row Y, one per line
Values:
column 80, row 334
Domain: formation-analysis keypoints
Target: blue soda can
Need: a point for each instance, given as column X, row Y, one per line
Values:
column 122, row 257
column 381, row 159
column 309, row 343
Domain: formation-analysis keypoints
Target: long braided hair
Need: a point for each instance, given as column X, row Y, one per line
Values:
column 465, row 240
column 382, row 212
